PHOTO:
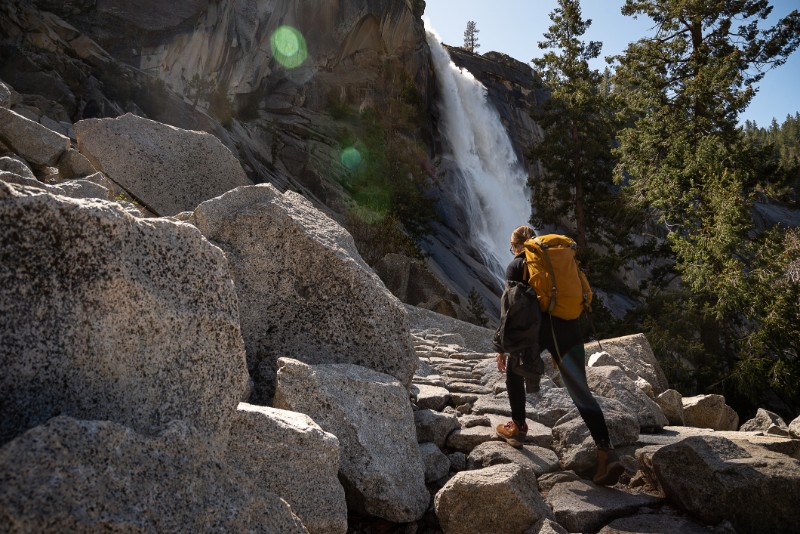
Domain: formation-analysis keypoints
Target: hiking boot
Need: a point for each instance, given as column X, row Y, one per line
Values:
column 609, row 468
column 513, row 434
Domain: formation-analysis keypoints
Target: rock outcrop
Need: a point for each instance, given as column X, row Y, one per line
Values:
column 715, row 479
column 413, row 283
column 634, row 355
column 497, row 498
column 106, row 316
column 167, row 169
column 31, row 140
column 288, row 454
column 767, row 422
column 304, row 291
column 709, row 411
column 87, row 476
column 381, row 467
column 613, row 383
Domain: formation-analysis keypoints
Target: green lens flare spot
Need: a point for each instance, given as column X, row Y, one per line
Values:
column 350, row 158
column 288, row 47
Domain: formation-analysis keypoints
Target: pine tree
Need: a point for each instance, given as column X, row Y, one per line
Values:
column 579, row 127
column 476, row 307
column 471, row 37
column 683, row 156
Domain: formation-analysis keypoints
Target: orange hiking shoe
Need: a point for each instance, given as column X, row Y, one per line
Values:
column 512, row 433
column 609, row 468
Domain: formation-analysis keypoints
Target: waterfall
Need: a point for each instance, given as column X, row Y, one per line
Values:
column 491, row 186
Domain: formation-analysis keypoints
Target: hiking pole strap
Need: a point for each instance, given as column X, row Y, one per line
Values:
column 555, row 341
column 594, row 330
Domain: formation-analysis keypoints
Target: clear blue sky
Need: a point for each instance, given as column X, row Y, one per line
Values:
column 515, row 27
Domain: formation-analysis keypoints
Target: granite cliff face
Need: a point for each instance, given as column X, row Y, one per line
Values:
column 216, row 67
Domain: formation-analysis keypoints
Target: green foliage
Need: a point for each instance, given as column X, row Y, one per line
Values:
column 471, row 37
column 476, row 307
column 780, row 146
column 200, row 87
column 390, row 180
column 683, row 156
column 375, row 238
column 220, row 106
column 579, row 126
column 387, row 171
column 418, row 7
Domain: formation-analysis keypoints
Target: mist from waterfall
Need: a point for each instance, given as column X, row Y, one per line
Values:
column 494, row 193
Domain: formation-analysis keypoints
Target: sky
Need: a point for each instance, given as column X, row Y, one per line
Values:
column 515, row 27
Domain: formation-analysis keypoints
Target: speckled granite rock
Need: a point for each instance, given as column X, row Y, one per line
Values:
column 304, row 291
column 90, row 476
column 105, row 316
column 168, row 169
column 500, row 498
column 381, row 467
column 34, row 142
column 288, row 454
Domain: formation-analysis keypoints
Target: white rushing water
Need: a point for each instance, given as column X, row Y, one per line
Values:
column 494, row 193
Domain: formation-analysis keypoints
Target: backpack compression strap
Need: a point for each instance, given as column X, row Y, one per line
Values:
column 554, row 292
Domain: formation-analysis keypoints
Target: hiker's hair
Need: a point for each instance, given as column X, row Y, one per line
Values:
column 521, row 234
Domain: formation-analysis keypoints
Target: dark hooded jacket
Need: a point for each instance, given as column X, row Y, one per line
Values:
column 520, row 319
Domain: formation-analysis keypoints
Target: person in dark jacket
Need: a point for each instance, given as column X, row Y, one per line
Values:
column 564, row 340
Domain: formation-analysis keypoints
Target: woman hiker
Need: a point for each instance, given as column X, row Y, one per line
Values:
column 514, row 337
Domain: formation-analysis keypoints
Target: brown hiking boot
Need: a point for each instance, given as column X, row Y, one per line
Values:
column 609, row 468
column 513, row 434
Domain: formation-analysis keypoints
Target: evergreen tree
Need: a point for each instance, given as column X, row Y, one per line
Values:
column 476, row 307
column 579, row 128
column 683, row 156
column 471, row 37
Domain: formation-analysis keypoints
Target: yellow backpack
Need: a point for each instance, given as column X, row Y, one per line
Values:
column 553, row 272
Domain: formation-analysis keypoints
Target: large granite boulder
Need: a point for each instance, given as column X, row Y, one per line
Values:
column 90, row 476
column 501, row 498
column 271, row 447
column 671, row 403
column 767, row 422
column 574, row 444
column 715, row 479
column 106, row 316
column 167, row 169
column 794, row 428
column 613, row 383
column 434, row 426
column 635, row 356
column 304, row 291
column 381, row 467
column 581, row 506
column 36, row 143
column 709, row 411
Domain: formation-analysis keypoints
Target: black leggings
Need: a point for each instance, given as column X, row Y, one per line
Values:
column 515, row 385
column 573, row 374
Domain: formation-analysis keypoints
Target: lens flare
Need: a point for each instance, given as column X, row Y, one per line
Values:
column 288, row 47
column 350, row 158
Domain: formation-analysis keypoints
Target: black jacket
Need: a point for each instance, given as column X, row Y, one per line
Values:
column 520, row 316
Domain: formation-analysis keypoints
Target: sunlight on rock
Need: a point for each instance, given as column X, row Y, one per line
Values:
column 289, row 47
